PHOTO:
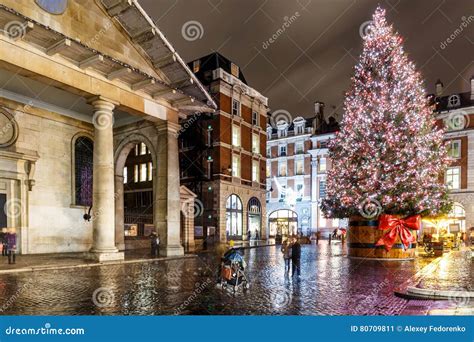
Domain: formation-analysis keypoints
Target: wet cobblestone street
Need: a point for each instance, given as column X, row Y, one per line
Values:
column 330, row 284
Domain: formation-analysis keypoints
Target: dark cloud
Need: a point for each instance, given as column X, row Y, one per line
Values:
column 313, row 57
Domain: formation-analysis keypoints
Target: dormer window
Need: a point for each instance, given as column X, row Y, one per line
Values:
column 196, row 65
column 299, row 124
column 282, row 127
column 454, row 101
column 234, row 70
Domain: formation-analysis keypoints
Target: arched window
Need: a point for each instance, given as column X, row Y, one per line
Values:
column 254, row 206
column 234, row 216
column 83, row 158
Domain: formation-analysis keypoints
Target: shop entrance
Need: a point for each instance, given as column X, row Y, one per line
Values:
column 283, row 223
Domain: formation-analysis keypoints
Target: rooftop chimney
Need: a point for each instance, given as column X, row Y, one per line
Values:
column 318, row 116
column 319, row 108
column 439, row 88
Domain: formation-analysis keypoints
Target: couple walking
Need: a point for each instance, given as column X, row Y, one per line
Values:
column 291, row 250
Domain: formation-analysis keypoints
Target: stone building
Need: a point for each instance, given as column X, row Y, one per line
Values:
column 222, row 154
column 296, row 174
column 456, row 113
column 82, row 84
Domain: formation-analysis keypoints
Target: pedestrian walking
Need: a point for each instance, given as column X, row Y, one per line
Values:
column 11, row 245
column 318, row 236
column 155, row 244
column 249, row 235
column 286, row 250
column 257, row 235
column 295, row 257
column 3, row 241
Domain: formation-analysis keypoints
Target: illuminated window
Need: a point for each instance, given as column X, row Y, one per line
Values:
column 322, row 165
column 135, row 173
column 255, row 171
column 196, row 65
column 282, row 169
column 269, row 172
column 142, row 149
column 235, row 136
column 234, row 70
column 454, row 149
column 255, row 143
column 453, row 177
column 235, row 165
column 299, row 166
column 299, row 147
column 143, row 172
column 125, row 175
column 150, row 171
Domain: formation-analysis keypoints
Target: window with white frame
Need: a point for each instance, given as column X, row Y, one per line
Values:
column 255, row 143
column 235, row 135
column 299, row 129
column 283, row 192
column 282, row 150
column 269, row 152
column 125, row 175
column 235, row 165
column 299, row 166
column 299, row 147
column 322, row 165
column 282, row 169
column 454, row 149
column 255, row 118
column 269, row 170
column 453, row 177
column 255, row 171
column 235, row 107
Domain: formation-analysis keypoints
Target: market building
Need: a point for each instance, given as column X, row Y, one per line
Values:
column 222, row 154
column 296, row 174
column 456, row 113
column 83, row 84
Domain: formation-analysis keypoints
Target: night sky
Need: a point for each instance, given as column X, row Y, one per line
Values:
column 313, row 57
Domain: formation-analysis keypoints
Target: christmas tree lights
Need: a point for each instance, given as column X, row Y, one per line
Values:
column 388, row 153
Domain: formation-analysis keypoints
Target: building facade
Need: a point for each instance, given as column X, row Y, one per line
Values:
column 296, row 174
column 455, row 112
column 82, row 86
column 222, row 154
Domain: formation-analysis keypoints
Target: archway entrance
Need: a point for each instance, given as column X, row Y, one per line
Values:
column 282, row 223
column 254, row 213
column 134, row 183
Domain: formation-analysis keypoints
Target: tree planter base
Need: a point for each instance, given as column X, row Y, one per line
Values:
column 363, row 234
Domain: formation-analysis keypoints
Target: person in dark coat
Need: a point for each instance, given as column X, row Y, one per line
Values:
column 295, row 257
column 11, row 245
column 3, row 241
column 155, row 244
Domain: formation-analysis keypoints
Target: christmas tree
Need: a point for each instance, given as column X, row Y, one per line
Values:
column 388, row 157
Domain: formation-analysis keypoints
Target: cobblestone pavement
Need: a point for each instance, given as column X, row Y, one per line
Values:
column 330, row 284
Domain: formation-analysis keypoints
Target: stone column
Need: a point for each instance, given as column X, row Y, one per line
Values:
column 167, row 195
column 103, row 194
column 119, row 213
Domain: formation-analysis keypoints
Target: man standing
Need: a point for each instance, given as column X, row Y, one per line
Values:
column 155, row 245
column 295, row 257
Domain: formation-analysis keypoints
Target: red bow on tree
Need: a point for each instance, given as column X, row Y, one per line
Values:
column 398, row 227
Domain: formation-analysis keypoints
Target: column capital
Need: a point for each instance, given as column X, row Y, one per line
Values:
column 101, row 101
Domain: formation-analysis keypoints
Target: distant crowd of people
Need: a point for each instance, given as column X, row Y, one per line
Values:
column 8, row 244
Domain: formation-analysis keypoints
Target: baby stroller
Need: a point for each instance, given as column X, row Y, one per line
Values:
column 232, row 270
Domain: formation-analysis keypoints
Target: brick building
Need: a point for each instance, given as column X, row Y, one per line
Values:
column 456, row 113
column 222, row 154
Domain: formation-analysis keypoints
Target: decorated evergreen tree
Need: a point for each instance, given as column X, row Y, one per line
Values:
column 389, row 156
